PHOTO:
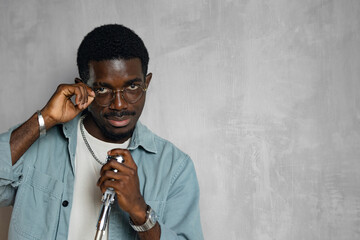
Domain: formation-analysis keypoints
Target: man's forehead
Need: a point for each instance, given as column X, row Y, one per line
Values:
column 121, row 67
column 116, row 64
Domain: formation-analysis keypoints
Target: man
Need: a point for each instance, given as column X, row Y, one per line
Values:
column 53, row 169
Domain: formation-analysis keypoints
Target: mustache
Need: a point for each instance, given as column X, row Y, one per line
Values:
column 119, row 114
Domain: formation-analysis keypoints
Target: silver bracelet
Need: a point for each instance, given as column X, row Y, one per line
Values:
column 41, row 124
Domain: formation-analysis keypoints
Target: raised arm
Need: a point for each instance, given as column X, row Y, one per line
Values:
column 59, row 109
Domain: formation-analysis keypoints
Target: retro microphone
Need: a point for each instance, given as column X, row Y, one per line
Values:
column 107, row 200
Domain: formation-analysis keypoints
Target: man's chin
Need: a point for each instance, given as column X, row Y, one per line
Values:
column 114, row 134
column 117, row 137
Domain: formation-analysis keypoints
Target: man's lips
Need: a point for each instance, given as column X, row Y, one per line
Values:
column 119, row 119
column 118, row 122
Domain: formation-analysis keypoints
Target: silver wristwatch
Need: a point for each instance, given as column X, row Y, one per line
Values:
column 151, row 219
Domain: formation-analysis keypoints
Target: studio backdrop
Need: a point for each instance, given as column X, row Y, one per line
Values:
column 263, row 95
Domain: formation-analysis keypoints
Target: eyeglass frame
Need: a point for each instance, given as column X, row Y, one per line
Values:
column 115, row 91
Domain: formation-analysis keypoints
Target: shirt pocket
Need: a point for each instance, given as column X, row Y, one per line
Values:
column 37, row 206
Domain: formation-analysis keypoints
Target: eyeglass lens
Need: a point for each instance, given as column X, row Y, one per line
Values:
column 130, row 96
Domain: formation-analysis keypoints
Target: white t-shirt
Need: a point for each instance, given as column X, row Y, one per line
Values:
column 87, row 195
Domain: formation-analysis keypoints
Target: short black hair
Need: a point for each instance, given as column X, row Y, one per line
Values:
column 109, row 42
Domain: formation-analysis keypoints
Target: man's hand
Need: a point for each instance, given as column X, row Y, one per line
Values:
column 125, row 183
column 61, row 109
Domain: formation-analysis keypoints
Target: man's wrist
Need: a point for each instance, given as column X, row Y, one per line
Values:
column 150, row 222
column 139, row 217
column 48, row 119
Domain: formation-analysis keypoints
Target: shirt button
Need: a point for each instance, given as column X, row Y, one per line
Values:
column 65, row 203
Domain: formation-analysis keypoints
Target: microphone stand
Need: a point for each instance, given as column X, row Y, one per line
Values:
column 107, row 200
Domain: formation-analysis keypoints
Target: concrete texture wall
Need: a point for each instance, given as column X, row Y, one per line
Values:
column 264, row 95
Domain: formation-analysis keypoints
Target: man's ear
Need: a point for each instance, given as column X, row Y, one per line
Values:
column 78, row 80
column 148, row 79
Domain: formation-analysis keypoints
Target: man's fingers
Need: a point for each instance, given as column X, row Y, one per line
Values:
column 60, row 108
column 128, row 160
column 90, row 91
column 112, row 176
column 83, row 94
column 117, row 185
column 113, row 164
column 80, row 95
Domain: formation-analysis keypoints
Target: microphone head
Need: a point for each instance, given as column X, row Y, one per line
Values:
column 118, row 158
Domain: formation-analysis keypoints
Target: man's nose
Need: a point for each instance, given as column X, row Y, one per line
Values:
column 118, row 102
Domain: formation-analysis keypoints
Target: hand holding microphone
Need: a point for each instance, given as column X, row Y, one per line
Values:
column 125, row 184
column 107, row 200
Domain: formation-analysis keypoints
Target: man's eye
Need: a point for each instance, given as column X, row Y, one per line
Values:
column 133, row 87
column 101, row 90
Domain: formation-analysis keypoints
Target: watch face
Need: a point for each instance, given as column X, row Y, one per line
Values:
column 152, row 216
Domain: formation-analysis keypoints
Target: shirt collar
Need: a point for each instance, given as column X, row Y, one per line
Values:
column 142, row 136
column 70, row 128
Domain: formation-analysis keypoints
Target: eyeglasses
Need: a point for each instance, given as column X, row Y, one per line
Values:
column 131, row 94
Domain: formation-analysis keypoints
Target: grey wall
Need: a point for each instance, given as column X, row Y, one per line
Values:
column 264, row 95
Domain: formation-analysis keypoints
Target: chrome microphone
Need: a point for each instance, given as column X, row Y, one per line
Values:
column 107, row 200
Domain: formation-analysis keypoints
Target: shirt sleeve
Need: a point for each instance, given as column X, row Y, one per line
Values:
column 10, row 176
column 181, row 218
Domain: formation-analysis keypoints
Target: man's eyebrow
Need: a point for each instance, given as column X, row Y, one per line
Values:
column 107, row 85
column 102, row 84
column 134, row 80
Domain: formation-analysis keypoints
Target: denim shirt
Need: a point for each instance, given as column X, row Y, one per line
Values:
column 40, row 186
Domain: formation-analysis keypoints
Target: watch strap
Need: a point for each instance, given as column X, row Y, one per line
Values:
column 150, row 222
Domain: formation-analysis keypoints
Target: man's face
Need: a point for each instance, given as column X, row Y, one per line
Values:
column 116, row 122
